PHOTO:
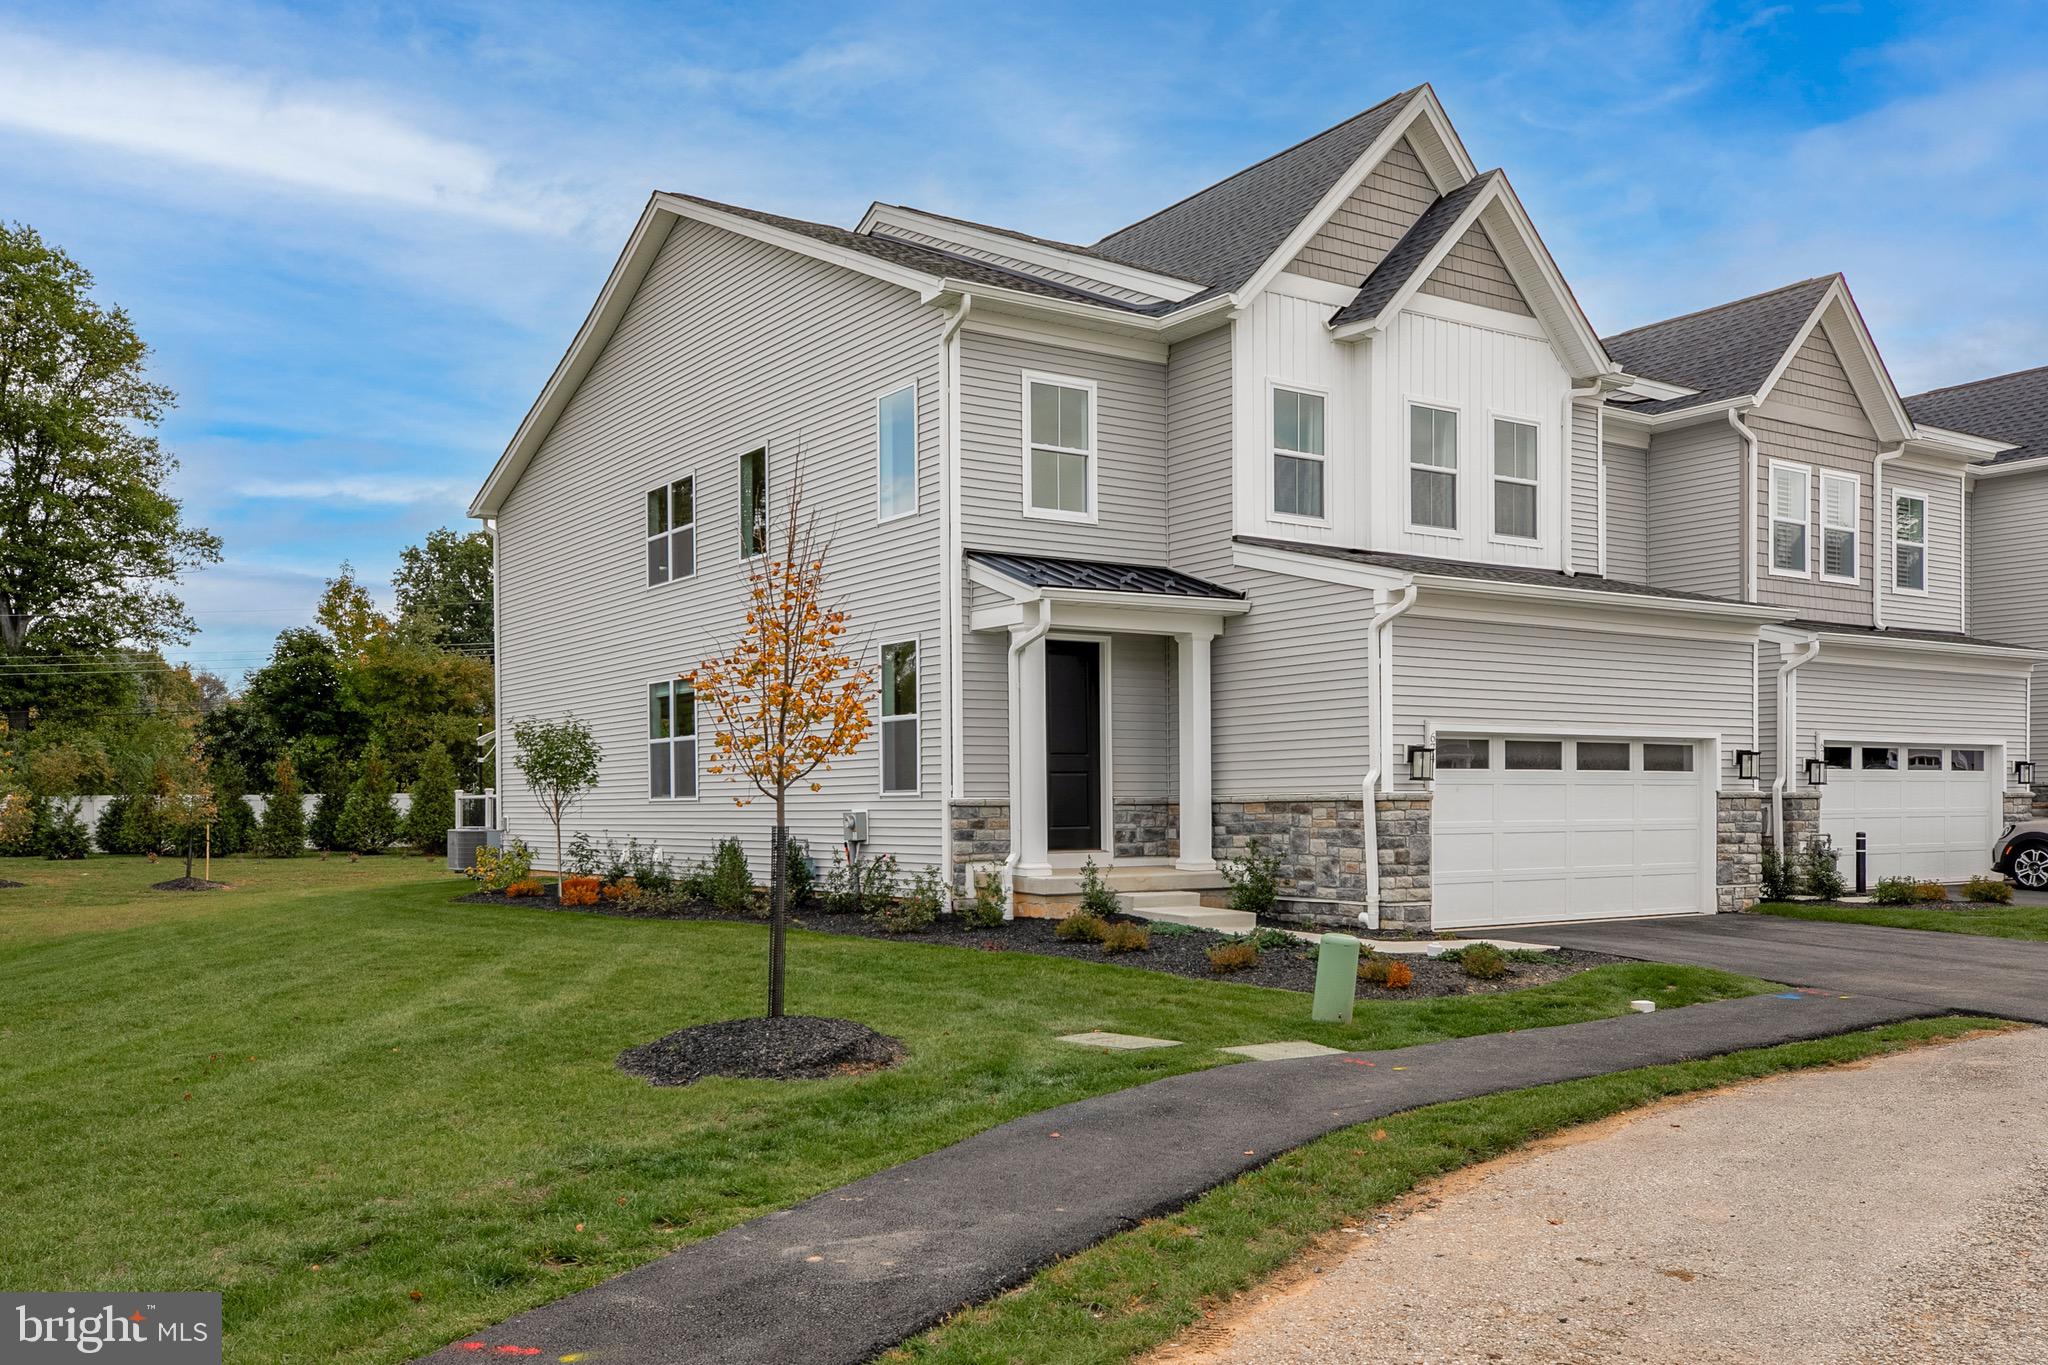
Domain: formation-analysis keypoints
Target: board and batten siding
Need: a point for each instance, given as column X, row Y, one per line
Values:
column 1473, row 272
column 1854, row 701
column 709, row 362
column 1821, row 451
column 1941, row 606
column 1628, row 513
column 1486, row 676
column 1366, row 226
column 1695, row 499
column 1130, row 451
column 1198, row 454
column 2006, row 600
column 1280, row 340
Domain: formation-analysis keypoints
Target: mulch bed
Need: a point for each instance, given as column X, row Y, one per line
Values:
column 188, row 884
column 796, row 1047
column 1176, row 950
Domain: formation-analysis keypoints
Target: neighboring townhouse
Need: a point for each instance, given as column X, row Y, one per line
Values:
column 1309, row 509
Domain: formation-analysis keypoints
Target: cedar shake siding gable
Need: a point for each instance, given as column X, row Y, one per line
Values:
column 1368, row 224
column 1474, row 273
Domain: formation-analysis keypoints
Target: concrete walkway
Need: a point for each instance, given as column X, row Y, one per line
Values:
column 1949, row 973
column 1889, row 1212
column 848, row 1274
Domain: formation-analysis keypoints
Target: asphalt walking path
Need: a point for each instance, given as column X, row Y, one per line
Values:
column 838, row 1279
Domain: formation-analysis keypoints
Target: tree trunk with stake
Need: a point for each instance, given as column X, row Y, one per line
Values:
column 778, row 908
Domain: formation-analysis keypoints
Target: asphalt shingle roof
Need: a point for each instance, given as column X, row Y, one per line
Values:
column 1221, row 235
column 1488, row 573
column 1944, row 637
column 2007, row 407
column 1044, row 571
column 1407, row 255
column 1724, row 352
column 1053, row 242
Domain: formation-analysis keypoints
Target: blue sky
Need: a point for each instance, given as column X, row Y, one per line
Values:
column 359, row 239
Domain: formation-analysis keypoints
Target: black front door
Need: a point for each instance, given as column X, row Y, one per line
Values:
column 1073, row 744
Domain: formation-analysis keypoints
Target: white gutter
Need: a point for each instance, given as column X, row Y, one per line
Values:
column 1877, row 555
column 1749, row 518
column 949, row 581
column 1379, row 712
column 1569, row 464
column 1018, row 644
column 1788, row 727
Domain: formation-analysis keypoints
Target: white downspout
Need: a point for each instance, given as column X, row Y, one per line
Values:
column 1569, row 464
column 1749, row 518
column 497, row 804
column 1018, row 644
column 1878, row 567
column 1379, row 712
column 1788, row 728
column 950, row 775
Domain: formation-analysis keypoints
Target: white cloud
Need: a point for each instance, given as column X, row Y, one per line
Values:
column 328, row 141
column 396, row 490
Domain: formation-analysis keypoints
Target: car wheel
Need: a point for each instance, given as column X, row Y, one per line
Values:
column 2030, row 868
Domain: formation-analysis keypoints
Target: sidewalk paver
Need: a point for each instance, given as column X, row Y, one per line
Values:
column 1116, row 1042
column 1282, row 1052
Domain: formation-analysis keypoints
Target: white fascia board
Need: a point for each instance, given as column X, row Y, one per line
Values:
column 1171, row 603
column 1572, row 323
column 1039, row 254
column 2037, row 465
column 1862, row 361
column 1656, row 388
column 858, row 261
column 1904, row 653
column 1170, row 327
column 1594, row 599
column 1683, row 417
column 1318, row 568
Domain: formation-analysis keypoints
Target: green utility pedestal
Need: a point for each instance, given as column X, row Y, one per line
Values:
column 1336, row 978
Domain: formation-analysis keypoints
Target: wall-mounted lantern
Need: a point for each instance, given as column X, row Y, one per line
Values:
column 1422, row 762
column 2023, row 772
column 1745, row 764
column 1816, row 773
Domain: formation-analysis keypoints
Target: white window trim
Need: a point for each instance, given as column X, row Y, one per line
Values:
column 882, row 723
column 916, row 454
column 1855, row 527
column 1409, row 402
column 696, row 763
column 1805, row 473
column 1926, row 587
column 1093, row 451
column 739, row 493
column 1274, row 452
column 668, row 491
column 1493, row 531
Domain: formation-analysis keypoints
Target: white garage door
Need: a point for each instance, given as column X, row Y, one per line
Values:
column 1930, row 810
column 1528, row 830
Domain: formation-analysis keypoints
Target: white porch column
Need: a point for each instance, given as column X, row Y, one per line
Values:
column 1192, row 679
column 1027, row 760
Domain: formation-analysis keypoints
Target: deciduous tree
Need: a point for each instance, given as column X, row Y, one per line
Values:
column 559, row 760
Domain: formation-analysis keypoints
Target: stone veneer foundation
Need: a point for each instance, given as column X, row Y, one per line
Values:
column 1740, row 818
column 2024, row 803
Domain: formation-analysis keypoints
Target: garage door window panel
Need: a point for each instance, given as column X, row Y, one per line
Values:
column 1923, row 760
column 1878, row 759
column 1602, row 756
column 1966, row 760
column 1463, row 755
column 1667, row 758
column 1535, row 755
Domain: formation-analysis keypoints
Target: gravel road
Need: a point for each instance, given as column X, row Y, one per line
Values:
column 1891, row 1211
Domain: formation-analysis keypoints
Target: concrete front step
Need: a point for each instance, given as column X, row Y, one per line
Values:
column 1185, row 907
column 1125, row 877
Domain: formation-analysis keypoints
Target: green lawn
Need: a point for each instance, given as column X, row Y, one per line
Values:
column 377, row 1119
column 1995, row 921
column 1144, row 1288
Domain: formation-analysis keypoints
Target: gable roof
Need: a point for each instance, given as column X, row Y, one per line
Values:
column 2010, row 407
column 1723, row 352
column 1221, row 235
column 1407, row 255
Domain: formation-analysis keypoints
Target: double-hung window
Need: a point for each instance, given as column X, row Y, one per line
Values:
column 1909, row 542
column 1059, row 455
column 1841, row 506
column 899, row 718
column 671, row 740
column 753, row 503
column 896, row 453
column 1514, row 479
column 1432, row 468
column 1298, row 454
column 671, row 532
column 1789, row 508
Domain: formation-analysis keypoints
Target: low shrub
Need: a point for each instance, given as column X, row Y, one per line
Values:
column 984, row 908
column 580, row 890
column 1484, row 962
column 1819, row 874
column 495, row 869
column 1168, row 929
column 1895, row 891
column 1254, row 879
column 1124, row 937
column 1929, row 893
column 1400, row 976
column 878, row 883
column 1081, row 927
column 1236, row 956
column 799, row 874
column 1268, row 940
column 525, row 886
column 625, row 890
column 839, row 888
column 1778, row 879
column 731, row 886
column 1372, row 967
column 916, row 908
column 1990, row 890
column 583, row 858
column 1096, row 897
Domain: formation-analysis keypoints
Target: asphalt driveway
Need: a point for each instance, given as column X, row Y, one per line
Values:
column 1959, row 973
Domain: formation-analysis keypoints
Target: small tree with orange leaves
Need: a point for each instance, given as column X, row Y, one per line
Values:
column 788, row 698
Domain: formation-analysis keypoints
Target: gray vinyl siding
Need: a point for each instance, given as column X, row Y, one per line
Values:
column 1491, row 675
column 1288, row 689
column 1695, row 500
column 1366, row 226
column 1018, row 264
column 1473, row 272
column 1942, row 606
column 708, row 362
column 1815, row 379
column 1813, row 597
column 1628, row 513
column 1585, row 467
column 1851, row 701
column 2008, row 568
column 1130, row 452
column 1768, row 659
column 985, row 713
column 1198, row 454
column 1143, row 746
